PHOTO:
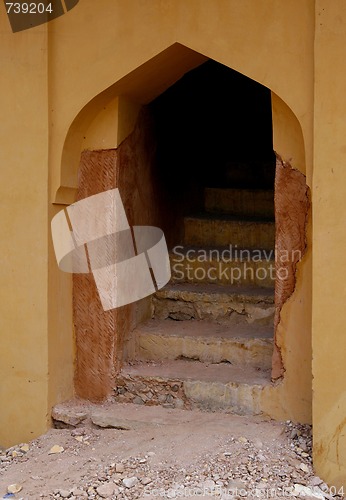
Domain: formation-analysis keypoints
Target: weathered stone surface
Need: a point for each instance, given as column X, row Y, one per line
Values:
column 146, row 480
column 68, row 416
column 241, row 399
column 304, row 491
column 138, row 400
column 14, row 488
column 106, row 490
column 236, row 484
column 56, row 449
column 78, row 492
column 119, row 468
column 107, row 419
column 240, row 202
column 227, row 304
column 209, row 484
column 223, row 231
column 316, row 481
column 258, row 443
column 130, row 482
column 201, row 385
column 162, row 391
column 65, row 493
column 204, row 341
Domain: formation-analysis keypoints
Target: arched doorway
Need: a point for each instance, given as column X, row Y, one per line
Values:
column 134, row 181
column 214, row 166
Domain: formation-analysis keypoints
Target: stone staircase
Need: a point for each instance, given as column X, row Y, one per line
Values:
column 210, row 340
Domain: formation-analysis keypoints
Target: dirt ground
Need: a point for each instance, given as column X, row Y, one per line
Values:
column 157, row 452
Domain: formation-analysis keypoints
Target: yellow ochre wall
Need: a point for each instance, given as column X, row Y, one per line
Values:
column 63, row 86
column 24, row 233
column 329, row 242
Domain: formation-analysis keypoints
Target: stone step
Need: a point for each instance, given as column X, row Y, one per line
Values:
column 247, row 175
column 240, row 202
column 222, row 265
column 208, row 229
column 226, row 304
column 206, row 341
column 189, row 384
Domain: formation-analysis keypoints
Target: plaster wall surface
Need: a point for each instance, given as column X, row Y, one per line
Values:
column 24, row 233
column 329, row 240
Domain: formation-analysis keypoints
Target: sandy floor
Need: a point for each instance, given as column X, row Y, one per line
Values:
column 165, row 453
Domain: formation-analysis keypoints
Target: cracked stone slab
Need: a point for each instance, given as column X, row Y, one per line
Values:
column 243, row 344
column 68, row 416
column 107, row 419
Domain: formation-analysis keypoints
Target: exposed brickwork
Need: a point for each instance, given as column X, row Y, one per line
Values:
column 100, row 335
column 95, row 329
column 291, row 214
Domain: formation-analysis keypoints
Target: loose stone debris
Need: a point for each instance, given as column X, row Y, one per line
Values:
column 14, row 488
column 153, row 392
column 165, row 453
column 56, row 449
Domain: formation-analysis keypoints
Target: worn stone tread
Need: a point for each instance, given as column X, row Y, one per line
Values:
column 206, row 329
column 195, row 371
column 240, row 202
column 225, row 304
column 216, row 292
column 206, row 341
column 224, row 229
column 224, row 217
